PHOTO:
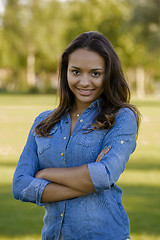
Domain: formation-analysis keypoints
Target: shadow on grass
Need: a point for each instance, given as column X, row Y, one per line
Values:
column 145, row 161
column 20, row 219
column 17, row 218
column 141, row 166
column 142, row 206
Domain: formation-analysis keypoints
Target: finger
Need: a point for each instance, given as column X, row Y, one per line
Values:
column 104, row 151
column 97, row 160
column 99, row 157
column 107, row 148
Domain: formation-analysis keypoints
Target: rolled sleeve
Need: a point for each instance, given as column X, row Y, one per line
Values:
column 122, row 139
column 98, row 175
column 33, row 192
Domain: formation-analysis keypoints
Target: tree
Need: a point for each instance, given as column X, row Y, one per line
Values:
column 145, row 27
column 95, row 15
column 32, row 32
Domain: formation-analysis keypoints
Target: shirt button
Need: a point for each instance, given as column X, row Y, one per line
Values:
column 61, row 154
column 122, row 141
column 61, row 214
column 81, row 120
column 64, row 138
column 93, row 105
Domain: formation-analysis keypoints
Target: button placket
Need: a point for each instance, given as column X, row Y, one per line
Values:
column 65, row 126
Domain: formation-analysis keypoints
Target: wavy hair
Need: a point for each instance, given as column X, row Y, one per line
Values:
column 116, row 92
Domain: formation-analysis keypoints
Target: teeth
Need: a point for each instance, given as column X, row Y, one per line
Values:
column 85, row 90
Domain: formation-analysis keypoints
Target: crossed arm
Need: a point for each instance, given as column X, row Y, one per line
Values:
column 67, row 183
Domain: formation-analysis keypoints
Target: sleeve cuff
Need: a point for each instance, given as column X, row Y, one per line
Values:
column 33, row 192
column 99, row 176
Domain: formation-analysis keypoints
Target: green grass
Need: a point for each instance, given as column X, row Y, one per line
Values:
column 140, row 181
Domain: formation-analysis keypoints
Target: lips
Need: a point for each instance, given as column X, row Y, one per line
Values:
column 85, row 92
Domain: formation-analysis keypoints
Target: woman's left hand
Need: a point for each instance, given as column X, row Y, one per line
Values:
column 102, row 153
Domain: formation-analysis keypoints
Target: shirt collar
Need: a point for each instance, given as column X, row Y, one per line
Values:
column 96, row 103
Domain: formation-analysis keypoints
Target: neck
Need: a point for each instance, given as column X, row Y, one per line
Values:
column 77, row 111
column 79, row 107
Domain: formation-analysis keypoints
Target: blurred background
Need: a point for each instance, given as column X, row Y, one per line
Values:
column 33, row 34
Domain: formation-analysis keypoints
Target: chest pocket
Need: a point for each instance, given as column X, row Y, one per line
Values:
column 43, row 143
column 88, row 137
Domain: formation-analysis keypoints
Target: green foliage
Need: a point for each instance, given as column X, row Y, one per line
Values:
column 146, row 15
column 44, row 28
column 144, row 31
column 98, row 15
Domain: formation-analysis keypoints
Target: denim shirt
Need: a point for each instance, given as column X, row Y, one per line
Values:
column 96, row 216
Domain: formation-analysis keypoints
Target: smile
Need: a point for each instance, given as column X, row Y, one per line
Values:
column 85, row 92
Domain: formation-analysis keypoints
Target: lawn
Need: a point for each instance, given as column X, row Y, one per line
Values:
column 140, row 181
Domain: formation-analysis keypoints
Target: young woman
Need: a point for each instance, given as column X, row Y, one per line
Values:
column 75, row 154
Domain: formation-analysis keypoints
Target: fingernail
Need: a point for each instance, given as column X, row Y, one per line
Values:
column 107, row 147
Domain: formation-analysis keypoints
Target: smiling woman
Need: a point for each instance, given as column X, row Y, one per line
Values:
column 75, row 154
column 86, row 71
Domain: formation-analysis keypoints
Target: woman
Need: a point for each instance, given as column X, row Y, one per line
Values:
column 75, row 154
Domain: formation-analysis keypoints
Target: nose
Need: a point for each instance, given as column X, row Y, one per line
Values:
column 84, row 81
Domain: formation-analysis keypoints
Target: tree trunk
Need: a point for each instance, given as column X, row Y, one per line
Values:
column 31, row 79
column 140, row 82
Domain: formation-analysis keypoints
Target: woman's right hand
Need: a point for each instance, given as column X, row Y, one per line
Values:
column 104, row 151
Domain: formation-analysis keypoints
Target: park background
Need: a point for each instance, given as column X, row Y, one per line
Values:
column 33, row 34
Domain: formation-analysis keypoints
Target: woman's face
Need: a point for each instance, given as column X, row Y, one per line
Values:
column 86, row 71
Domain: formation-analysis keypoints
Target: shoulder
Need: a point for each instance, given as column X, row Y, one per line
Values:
column 126, row 113
column 126, row 118
column 44, row 115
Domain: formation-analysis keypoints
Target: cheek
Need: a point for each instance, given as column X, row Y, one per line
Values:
column 99, row 83
column 71, row 81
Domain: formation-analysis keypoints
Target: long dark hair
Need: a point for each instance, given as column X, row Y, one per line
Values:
column 116, row 92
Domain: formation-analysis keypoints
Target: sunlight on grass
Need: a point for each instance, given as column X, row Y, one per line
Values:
column 29, row 237
column 134, row 237
column 139, row 177
column 144, row 237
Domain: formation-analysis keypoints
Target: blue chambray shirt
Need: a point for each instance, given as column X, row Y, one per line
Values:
column 99, row 215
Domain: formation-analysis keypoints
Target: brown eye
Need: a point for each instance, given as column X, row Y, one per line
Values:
column 96, row 74
column 75, row 72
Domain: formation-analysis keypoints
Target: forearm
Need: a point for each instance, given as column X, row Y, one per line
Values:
column 77, row 178
column 55, row 192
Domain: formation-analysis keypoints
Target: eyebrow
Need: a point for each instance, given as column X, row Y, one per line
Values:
column 94, row 69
